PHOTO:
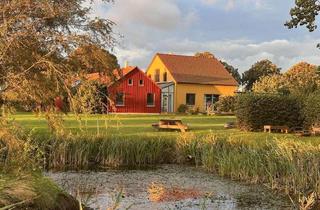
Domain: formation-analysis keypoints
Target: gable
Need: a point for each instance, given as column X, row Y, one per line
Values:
column 137, row 74
column 157, row 64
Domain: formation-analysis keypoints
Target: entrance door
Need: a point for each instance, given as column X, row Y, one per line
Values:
column 167, row 102
column 210, row 100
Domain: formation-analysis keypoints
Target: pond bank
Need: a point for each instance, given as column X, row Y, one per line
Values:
column 33, row 191
column 166, row 187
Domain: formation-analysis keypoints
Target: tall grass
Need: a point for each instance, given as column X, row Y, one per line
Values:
column 85, row 151
column 288, row 165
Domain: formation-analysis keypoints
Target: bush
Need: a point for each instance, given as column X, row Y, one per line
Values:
column 183, row 108
column 311, row 109
column 226, row 104
column 253, row 111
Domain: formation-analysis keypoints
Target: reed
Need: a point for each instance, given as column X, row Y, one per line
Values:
column 282, row 163
column 83, row 152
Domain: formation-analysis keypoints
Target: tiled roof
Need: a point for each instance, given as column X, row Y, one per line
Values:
column 106, row 79
column 197, row 70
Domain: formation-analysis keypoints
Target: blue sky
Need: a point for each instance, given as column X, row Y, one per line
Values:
column 240, row 32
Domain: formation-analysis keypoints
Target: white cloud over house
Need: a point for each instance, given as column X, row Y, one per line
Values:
column 185, row 27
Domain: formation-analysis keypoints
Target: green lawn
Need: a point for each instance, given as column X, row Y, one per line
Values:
column 131, row 125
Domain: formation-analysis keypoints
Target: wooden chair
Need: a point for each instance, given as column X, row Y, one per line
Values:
column 315, row 129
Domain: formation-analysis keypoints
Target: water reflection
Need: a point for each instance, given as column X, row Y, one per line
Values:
column 166, row 187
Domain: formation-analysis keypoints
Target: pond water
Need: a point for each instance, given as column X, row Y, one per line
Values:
column 166, row 187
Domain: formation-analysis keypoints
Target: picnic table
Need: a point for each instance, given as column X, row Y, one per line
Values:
column 270, row 128
column 170, row 124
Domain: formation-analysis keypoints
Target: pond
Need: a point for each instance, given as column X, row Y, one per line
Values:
column 166, row 187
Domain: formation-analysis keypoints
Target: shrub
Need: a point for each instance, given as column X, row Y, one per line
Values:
column 183, row 108
column 311, row 109
column 253, row 111
column 226, row 104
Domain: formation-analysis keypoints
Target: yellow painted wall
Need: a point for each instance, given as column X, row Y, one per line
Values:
column 200, row 91
column 158, row 64
column 182, row 89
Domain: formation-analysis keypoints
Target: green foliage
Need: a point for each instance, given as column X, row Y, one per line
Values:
column 275, row 84
column 233, row 71
column 312, row 109
column 304, row 13
column 226, row 104
column 253, row 111
column 93, row 58
column 34, row 65
column 18, row 151
column 90, row 97
column 300, row 80
column 183, row 108
column 257, row 71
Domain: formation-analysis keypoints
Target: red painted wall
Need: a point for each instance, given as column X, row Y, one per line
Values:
column 135, row 100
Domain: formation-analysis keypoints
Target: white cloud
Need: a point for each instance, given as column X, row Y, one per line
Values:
column 239, row 53
column 232, row 4
column 163, row 15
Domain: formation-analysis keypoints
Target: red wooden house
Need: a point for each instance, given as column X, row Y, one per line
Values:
column 133, row 92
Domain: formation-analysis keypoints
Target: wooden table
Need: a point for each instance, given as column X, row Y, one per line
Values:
column 169, row 124
column 270, row 128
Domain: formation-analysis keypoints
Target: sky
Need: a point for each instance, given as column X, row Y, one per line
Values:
column 240, row 32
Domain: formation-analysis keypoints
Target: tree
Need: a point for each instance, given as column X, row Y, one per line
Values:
column 257, row 71
column 304, row 13
column 36, row 38
column 204, row 54
column 301, row 80
column 92, row 58
column 233, row 71
column 276, row 84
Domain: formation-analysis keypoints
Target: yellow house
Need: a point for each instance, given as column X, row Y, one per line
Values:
column 195, row 81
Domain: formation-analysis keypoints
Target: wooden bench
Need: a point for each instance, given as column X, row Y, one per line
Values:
column 270, row 128
column 170, row 125
column 315, row 130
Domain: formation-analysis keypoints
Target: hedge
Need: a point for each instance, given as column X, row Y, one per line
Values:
column 226, row 104
column 311, row 109
column 253, row 111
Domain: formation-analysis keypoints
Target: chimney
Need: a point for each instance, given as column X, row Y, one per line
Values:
column 126, row 64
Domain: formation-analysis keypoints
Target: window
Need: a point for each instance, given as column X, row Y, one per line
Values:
column 141, row 82
column 120, row 99
column 190, row 99
column 150, row 99
column 165, row 76
column 157, row 75
column 130, row 82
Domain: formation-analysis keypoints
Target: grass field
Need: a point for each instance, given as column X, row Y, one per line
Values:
column 137, row 125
